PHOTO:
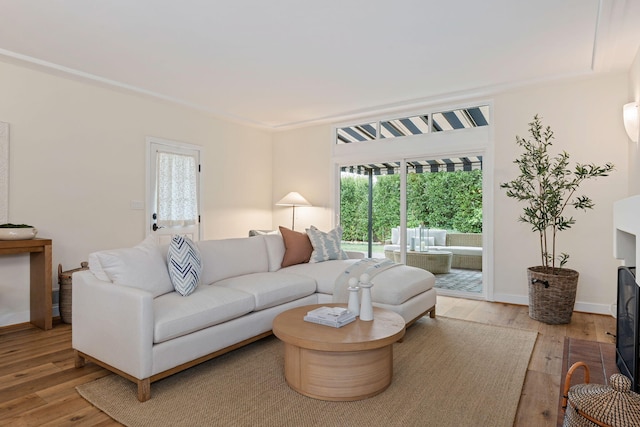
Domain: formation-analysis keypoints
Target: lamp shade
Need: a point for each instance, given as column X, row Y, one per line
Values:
column 293, row 199
column 631, row 118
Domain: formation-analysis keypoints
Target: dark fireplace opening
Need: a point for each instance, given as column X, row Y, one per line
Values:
column 628, row 327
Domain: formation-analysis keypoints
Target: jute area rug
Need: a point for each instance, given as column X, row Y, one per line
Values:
column 447, row 372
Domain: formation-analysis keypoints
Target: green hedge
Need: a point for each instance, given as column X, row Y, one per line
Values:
column 446, row 200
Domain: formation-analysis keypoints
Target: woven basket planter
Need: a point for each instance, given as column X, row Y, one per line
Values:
column 66, row 284
column 552, row 296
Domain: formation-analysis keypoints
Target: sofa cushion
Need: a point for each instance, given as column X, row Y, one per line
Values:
column 271, row 289
column 326, row 246
column 297, row 247
column 428, row 241
column 185, row 265
column 395, row 235
column 208, row 305
column 275, row 250
column 142, row 267
column 396, row 285
column 232, row 257
column 324, row 273
column 440, row 236
column 463, row 250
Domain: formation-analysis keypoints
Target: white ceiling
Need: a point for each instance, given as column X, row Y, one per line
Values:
column 285, row 63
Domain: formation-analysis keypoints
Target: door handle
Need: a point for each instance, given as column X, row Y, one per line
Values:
column 155, row 226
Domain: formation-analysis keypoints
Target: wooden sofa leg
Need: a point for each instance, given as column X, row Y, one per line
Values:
column 432, row 313
column 78, row 360
column 144, row 389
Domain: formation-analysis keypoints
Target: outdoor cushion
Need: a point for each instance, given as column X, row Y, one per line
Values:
column 463, row 250
column 440, row 236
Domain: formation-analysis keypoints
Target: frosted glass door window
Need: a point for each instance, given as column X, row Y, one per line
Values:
column 177, row 190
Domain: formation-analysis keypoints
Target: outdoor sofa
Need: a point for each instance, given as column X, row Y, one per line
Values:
column 465, row 247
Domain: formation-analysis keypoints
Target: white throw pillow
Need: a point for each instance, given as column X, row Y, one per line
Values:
column 141, row 267
column 275, row 250
column 185, row 265
column 440, row 236
column 326, row 246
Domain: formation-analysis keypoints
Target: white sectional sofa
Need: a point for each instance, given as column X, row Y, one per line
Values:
column 126, row 319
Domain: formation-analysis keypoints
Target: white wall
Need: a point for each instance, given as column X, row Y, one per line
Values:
column 634, row 147
column 302, row 163
column 77, row 159
column 586, row 115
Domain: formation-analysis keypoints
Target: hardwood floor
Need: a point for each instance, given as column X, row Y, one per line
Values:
column 38, row 379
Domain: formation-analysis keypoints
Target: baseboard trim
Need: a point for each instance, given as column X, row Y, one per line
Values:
column 511, row 299
column 18, row 318
column 585, row 307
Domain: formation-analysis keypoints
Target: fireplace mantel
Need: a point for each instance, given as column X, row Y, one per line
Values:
column 626, row 229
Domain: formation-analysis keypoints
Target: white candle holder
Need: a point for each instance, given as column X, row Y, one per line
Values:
column 366, row 306
column 354, row 304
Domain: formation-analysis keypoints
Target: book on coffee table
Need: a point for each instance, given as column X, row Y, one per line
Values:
column 330, row 316
column 326, row 322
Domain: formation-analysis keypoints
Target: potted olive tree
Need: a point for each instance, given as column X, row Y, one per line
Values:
column 547, row 186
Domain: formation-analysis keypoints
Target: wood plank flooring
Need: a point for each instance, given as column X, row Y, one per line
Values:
column 38, row 379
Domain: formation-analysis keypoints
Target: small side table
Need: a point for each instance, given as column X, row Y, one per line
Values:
column 40, row 306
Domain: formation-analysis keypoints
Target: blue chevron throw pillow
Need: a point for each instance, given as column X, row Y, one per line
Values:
column 185, row 266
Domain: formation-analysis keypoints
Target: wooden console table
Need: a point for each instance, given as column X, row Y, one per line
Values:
column 41, row 272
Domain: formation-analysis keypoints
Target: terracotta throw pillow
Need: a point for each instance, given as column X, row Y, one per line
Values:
column 297, row 247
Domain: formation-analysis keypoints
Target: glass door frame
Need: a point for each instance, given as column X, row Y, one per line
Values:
column 459, row 143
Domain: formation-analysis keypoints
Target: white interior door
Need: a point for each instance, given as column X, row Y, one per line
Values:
column 173, row 191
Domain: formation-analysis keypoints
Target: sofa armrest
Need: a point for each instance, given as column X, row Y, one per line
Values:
column 113, row 324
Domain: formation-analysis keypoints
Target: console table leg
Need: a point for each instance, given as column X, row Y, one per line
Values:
column 40, row 288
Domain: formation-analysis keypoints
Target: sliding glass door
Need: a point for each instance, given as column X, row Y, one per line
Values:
column 369, row 208
column 423, row 212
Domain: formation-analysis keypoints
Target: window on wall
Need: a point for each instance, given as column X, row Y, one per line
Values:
column 173, row 191
column 177, row 189
column 407, row 126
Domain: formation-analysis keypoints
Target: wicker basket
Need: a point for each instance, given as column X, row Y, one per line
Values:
column 64, row 279
column 595, row 405
column 552, row 296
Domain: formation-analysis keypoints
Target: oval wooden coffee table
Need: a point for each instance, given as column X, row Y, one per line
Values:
column 348, row 363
